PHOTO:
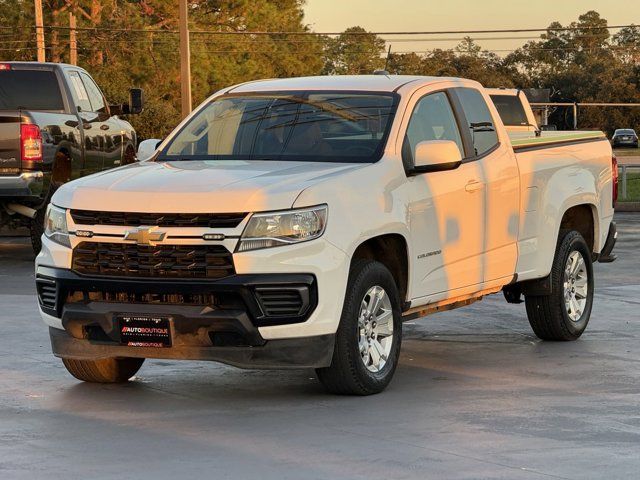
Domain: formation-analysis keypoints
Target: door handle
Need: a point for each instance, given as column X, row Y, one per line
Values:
column 104, row 127
column 473, row 186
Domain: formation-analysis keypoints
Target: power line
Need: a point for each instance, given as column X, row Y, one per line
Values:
column 310, row 33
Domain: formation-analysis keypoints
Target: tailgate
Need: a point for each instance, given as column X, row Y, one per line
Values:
column 9, row 142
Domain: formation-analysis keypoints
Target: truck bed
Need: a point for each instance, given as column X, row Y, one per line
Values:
column 528, row 140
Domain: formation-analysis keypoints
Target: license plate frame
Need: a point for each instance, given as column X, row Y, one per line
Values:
column 144, row 330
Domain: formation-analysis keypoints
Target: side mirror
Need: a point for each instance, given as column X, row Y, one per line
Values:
column 136, row 101
column 436, row 156
column 147, row 148
column 134, row 107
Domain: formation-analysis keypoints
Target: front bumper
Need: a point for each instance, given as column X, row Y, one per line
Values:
column 306, row 352
column 210, row 320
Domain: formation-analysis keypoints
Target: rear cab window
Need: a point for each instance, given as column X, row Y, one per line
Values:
column 511, row 110
column 479, row 120
column 30, row 90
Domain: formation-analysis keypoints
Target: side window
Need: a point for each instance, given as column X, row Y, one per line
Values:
column 95, row 95
column 432, row 119
column 482, row 129
column 79, row 93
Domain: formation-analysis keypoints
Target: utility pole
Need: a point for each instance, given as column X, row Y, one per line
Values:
column 185, row 60
column 73, row 43
column 39, row 30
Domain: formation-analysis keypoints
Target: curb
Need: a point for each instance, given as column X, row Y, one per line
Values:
column 628, row 207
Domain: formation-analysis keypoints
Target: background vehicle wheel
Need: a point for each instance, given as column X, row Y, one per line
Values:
column 369, row 336
column 106, row 370
column 565, row 313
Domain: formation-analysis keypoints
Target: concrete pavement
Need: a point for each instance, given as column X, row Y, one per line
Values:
column 477, row 395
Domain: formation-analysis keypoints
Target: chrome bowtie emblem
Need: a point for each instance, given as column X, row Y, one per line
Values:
column 145, row 236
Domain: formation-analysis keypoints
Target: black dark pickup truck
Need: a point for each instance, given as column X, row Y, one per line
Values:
column 55, row 126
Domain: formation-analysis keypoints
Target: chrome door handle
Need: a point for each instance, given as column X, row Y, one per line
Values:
column 473, row 186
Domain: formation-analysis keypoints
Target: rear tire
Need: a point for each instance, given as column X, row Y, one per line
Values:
column 369, row 335
column 105, row 370
column 564, row 314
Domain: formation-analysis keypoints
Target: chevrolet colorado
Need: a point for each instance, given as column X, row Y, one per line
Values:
column 55, row 126
column 295, row 223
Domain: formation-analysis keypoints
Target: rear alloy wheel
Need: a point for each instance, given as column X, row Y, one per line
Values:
column 576, row 286
column 564, row 313
column 369, row 335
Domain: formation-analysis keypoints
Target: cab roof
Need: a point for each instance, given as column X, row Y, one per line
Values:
column 371, row 83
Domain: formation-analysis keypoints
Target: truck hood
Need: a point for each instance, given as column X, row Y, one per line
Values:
column 220, row 186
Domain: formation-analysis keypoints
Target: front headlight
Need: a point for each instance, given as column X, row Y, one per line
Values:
column 55, row 225
column 266, row 230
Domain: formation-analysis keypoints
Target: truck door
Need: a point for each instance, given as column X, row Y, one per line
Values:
column 446, row 209
column 92, row 155
column 502, row 187
column 106, row 127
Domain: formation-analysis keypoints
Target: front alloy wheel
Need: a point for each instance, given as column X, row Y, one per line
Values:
column 375, row 324
column 369, row 335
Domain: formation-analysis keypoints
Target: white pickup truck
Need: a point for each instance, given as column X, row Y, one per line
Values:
column 296, row 223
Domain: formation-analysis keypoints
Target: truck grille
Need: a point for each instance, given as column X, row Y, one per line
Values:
column 130, row 219
column 158, row 261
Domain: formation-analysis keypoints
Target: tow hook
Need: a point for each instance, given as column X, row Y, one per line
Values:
column 21, row 209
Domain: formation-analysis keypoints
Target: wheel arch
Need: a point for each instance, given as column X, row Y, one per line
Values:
column 392, row 250
column 584, row 219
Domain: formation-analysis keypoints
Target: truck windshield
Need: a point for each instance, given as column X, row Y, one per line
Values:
column 29, row 90
column 298, row 126
column 510, row 109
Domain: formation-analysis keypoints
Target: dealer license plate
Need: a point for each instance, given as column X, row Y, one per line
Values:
column 144, row 331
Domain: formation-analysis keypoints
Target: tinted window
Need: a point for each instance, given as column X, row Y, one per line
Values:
column 624, row 132
column 510, row 109
column 95, row 95
column 310, row 126
column 29, row 90
column 431, row 119
column 80, row 95
column 483, row 132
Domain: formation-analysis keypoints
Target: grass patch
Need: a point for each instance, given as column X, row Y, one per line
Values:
column 633, row 188
column 627, row 152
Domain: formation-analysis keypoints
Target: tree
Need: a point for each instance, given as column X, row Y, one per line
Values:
column 354, row 52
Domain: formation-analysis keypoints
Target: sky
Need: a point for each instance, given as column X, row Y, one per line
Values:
column 446, row 15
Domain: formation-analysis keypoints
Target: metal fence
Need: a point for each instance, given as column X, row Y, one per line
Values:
column 623, row 177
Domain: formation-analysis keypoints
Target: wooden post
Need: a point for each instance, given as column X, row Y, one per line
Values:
column 73, row 44
column 185, row 60
column 39, row 30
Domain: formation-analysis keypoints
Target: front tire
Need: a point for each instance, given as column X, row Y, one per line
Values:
column 564, row 314
column 104, row 370
column 368, row 339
